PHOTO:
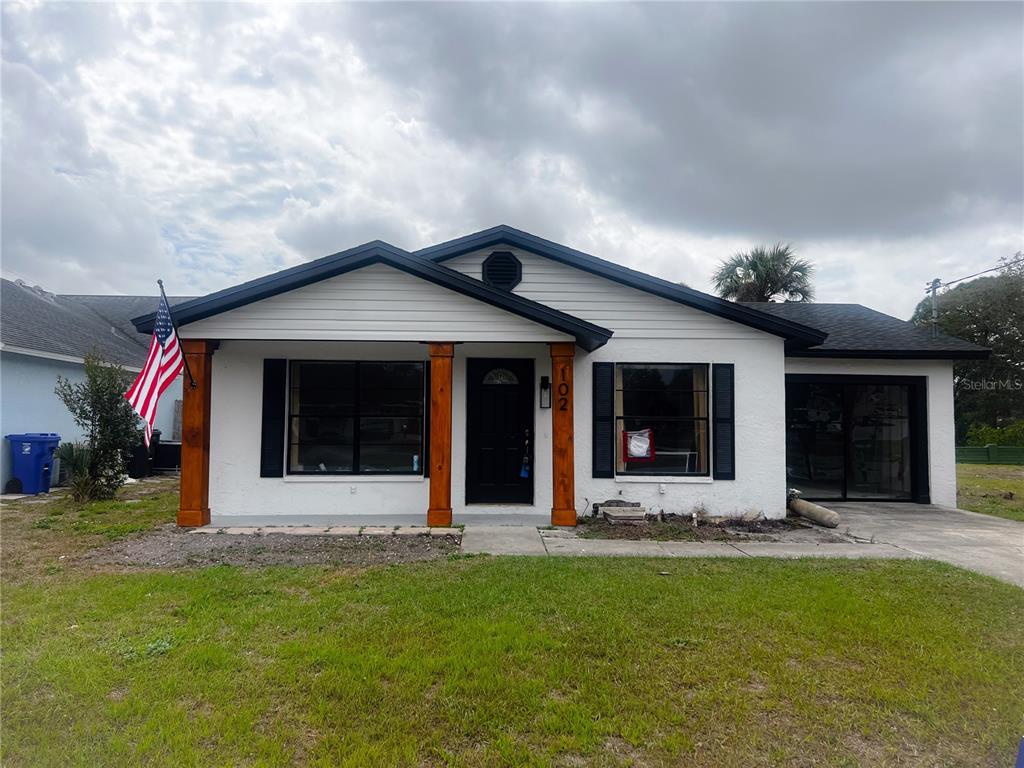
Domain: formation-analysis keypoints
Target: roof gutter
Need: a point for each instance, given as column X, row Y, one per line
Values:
column 893, row 354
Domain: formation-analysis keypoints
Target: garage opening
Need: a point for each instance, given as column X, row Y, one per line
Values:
column 857, row 438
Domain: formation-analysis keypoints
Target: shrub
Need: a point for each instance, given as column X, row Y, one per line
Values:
column 99, row 408
column 983, row 434
column 75, row 457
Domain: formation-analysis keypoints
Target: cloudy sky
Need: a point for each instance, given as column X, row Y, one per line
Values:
column 211, row 143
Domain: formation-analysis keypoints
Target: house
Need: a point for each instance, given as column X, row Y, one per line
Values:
column 45, row 335
column 503, row 373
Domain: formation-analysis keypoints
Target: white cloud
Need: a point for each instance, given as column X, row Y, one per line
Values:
column 210, row 143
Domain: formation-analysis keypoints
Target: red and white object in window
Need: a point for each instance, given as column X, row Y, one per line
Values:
column 638, row 446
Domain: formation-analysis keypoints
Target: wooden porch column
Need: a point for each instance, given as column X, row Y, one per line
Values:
column 440, row 510
column 195, row 434
column 563, row 507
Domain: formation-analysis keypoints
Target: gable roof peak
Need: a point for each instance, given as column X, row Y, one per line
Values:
column 681, row 294
column 587, row 335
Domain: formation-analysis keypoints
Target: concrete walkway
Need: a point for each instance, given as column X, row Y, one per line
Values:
column 527, row 540
column 502, row 540
column 988, row 545
column 982, row 543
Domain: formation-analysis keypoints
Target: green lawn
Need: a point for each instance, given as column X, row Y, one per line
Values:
column 489, row 661
column 992, row 489
column 110, row 519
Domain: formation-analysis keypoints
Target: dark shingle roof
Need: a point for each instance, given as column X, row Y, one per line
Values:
column 857, row 331
column 72, row 325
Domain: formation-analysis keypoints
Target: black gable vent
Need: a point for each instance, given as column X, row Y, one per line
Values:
column 502, row 270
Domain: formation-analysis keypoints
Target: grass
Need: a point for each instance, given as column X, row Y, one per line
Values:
column 985, row 488
column 40, row 534
column 501, row 661
column 517, row 661
column 113, row 519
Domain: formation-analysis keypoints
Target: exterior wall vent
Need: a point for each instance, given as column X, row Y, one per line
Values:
column 502, row 270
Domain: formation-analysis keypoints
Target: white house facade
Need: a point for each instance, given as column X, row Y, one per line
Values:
column 504, row 374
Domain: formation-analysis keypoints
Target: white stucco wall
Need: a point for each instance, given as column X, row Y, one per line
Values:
column 760, row 482
column 941, row 432
column 28, row 404
column 237, row 490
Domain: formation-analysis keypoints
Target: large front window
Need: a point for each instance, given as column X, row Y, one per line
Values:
column 355, row 418
column 661, row 419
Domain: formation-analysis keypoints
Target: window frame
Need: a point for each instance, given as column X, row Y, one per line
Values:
column 617, row 431
column 356, row 417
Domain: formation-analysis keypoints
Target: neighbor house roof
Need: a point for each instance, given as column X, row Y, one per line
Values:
column 791, row 330
column 37, row 322
column 857, row 331
column 587, row 335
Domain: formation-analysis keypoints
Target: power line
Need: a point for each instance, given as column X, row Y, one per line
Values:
column 934, row 286
column 1018, row 260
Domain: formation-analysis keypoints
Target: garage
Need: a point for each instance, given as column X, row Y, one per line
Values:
column 857, row 438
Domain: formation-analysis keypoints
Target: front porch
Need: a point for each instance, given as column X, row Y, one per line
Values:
column 225, row 481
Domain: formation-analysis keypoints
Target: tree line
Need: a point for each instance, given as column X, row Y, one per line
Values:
column 988, row 394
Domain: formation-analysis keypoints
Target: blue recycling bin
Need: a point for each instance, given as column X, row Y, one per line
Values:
column 31, row 459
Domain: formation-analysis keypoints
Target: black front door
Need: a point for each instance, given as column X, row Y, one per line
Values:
column 499, row 431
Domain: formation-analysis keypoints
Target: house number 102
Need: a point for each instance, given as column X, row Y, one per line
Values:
column 563, row 389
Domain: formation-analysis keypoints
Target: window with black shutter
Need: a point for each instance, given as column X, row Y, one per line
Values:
column 356, row 418
column 661, row 419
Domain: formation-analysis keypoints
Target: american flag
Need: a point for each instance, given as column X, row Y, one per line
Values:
column 162, row 366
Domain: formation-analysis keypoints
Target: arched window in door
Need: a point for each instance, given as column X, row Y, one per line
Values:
column 500, row 376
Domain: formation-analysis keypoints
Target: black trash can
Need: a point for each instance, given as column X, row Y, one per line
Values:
column 138, row 465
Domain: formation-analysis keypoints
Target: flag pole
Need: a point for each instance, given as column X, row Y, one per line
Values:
column 184, row 357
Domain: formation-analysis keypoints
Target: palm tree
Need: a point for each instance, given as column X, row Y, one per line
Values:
column 765, row 274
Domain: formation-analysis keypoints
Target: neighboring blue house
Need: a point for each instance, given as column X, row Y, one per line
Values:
column 45, row 335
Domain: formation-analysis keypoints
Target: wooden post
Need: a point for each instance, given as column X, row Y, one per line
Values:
column 440, row 510
column 194, row 508
column 563, row 508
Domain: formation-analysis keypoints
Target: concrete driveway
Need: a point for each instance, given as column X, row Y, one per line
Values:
column 982, row 543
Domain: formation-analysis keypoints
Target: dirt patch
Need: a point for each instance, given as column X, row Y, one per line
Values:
column 171, row 547
column 678, row 528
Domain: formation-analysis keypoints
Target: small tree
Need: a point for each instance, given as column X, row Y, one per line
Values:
column 98, row 407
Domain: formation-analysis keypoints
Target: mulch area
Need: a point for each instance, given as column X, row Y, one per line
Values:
column 680, row 528
column 171, row 547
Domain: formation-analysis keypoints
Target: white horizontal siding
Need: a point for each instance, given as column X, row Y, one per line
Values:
column 628, row 312
column 376, row 303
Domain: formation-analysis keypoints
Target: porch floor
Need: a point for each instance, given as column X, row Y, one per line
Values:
column 417, row 519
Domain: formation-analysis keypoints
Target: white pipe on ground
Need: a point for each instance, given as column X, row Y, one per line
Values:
column 815, row 512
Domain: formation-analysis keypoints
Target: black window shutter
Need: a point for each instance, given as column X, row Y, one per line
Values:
column 604, row 420
column 272, row 438
column 426, row 419
column 724, row 432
